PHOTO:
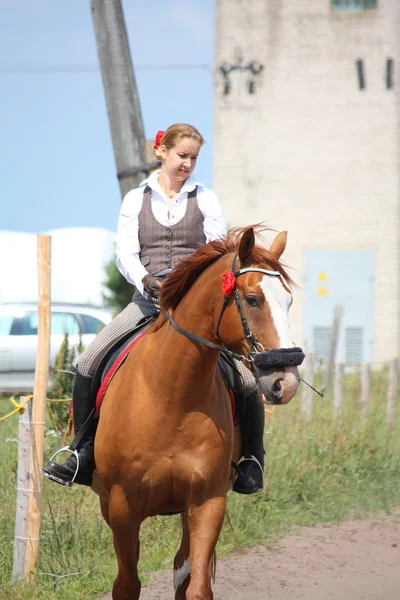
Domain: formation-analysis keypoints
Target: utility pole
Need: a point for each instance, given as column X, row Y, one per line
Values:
column 122, row 100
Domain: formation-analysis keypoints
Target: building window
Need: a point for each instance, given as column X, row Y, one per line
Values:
column 354, row 4
column 360, row 74
column 389, row 73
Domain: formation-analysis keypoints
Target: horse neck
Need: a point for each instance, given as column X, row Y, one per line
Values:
column 194, row 314
column 196, row 311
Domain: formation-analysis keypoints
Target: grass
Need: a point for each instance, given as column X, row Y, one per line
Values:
column 318, row 472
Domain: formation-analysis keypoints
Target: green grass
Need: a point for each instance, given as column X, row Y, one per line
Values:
column 318, row 472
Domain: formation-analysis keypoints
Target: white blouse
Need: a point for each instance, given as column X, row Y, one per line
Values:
column 128, row 247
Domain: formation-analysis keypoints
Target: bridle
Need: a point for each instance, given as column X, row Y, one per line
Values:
column 255, row 346
column 257, row 353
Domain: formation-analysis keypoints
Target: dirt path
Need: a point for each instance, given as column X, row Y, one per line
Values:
column 355, row 560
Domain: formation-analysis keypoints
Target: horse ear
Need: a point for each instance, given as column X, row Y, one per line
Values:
column 279, row 244
column 246, row 245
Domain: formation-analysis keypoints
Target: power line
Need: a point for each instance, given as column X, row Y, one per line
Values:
column 60, row 69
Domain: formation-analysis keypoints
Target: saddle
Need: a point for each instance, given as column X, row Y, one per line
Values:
column 114, row 358
column 117, row 354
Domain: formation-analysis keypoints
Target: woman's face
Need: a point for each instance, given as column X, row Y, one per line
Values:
column 180, row 160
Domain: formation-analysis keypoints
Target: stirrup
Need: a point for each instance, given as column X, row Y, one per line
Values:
column 57, row 479
column 251, row 458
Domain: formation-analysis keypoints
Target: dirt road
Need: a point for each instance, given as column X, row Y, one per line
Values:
column 355, row 560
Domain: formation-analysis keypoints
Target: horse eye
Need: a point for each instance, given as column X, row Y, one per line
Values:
column 252, row 301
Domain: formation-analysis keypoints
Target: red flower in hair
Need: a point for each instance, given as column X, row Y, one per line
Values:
column 228, row 283
column 158, row 139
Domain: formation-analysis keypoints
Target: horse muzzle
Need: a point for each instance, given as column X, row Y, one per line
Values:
column 279, row 387
column 278, row 374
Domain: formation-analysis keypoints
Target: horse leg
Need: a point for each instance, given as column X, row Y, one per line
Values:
column 125, row 528
column 105, row 510
column 182, row 563
column 205, row 523
column 127, row 585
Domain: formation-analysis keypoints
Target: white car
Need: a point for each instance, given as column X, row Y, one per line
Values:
column 18, row 338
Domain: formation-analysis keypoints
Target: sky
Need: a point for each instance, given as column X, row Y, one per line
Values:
column 57, row 165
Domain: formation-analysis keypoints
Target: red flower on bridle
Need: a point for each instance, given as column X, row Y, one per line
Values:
column 158, row 139
column 228, row 283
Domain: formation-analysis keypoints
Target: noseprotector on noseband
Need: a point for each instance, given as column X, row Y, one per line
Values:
column 279, row 357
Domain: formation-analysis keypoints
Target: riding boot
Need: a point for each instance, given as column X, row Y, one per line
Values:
column 251, row 465
column 82, row 410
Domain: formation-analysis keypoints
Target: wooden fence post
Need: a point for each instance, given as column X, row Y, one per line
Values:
column 23, row 492
column 39, row 405
column 365, row 389
column 338, row 391
column 307, row 398
column 333, row 342
column 392, row 390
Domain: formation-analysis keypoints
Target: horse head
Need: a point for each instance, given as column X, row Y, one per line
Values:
column 253, row 320
column 238, row 292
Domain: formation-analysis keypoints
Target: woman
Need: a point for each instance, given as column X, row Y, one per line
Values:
column 161, row 222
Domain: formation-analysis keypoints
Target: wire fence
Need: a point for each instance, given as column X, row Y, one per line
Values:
column 20, row 408
column 331, row 381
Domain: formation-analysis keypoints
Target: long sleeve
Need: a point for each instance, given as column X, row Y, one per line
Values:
column 128, row 247
column 214, row 219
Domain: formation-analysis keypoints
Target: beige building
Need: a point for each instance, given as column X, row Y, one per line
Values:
column 307, row 138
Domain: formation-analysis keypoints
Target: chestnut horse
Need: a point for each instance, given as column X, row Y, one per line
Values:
column 165, row 438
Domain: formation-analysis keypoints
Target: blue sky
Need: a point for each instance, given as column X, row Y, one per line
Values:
column 56, row 160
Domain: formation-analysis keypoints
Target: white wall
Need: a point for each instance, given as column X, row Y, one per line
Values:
column 310, row 152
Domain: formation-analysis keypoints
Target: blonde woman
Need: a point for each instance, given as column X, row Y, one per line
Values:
column 161, row 222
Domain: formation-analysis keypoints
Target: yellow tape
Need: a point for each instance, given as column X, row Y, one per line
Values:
column 52, row 416
column 20, row 406
column 58, row 399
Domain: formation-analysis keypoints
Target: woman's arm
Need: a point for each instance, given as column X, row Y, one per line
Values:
column 128, row 247
column 214, row 220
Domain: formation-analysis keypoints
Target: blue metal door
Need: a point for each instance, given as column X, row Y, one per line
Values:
column 346, row 278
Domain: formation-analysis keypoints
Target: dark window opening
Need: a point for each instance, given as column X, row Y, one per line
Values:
column 354, row 4
column 389, row 73
column 360, row 74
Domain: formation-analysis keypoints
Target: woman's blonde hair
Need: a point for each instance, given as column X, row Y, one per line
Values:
column 174, row 133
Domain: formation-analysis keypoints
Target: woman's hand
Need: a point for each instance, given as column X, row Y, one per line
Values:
column 152, row 285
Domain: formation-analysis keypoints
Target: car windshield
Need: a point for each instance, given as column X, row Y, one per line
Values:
column 5, row 324
column 27, row 324
column 91, row 324
column 62, row 323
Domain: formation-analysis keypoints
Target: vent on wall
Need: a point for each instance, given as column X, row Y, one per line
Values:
column 321, row 339
column 354, row 345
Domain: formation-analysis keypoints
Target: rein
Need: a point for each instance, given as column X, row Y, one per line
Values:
column 257, row 353
column 197, row 338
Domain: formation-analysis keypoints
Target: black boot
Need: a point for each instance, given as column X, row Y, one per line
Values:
column 251, row 466
column 83, row 407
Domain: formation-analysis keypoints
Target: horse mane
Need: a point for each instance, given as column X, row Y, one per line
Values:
column 179, row 282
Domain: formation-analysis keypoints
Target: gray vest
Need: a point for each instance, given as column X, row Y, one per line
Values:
column 164, row 247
